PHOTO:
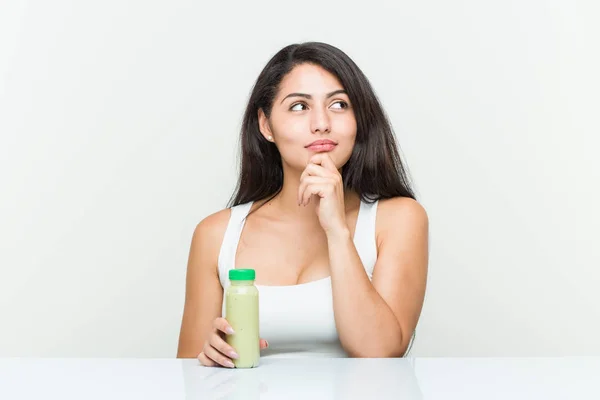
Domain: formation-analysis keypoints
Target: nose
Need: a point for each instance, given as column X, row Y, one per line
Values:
column 320, row 122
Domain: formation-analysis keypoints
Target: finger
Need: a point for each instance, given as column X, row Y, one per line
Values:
column 263, row 344
column 324, row 160
column 319, row 170
column 309, row 180
column 207, row 362
column 222, row 325
column 315, row 170
column 321, row 190
column 217, row 357
column 217, row 342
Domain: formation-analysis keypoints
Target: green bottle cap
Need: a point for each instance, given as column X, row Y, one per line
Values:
column 242, row 274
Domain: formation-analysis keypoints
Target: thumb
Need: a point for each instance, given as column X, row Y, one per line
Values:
column 263, row 344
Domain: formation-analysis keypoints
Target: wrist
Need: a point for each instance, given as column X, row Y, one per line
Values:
column 338, row 234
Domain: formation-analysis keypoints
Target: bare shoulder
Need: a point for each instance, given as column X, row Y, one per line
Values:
column 401, row 209
column 210, row 231
column 401, row 213
column 214, row 223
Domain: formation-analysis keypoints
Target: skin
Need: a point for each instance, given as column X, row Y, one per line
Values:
column 312, row 223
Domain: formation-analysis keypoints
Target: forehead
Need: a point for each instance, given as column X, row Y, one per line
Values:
column 309, row 79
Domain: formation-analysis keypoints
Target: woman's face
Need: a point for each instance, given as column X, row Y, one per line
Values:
column 311, row 114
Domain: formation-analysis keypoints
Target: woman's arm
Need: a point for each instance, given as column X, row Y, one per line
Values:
column 376, row 318
column 203, row 293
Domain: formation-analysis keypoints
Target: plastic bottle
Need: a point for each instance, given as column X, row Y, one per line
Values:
column 241, row 311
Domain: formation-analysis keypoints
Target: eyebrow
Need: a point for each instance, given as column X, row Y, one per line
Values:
column 308, row 96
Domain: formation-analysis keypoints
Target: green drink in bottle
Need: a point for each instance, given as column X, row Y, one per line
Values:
column 241, row 311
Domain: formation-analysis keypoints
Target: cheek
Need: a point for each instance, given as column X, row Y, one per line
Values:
column 288, row 130
column 350, row 125
column 292, row 134
column 347, row 136
column 291, row 138
column 346, row 131
column 344, row 125
column 344, row 153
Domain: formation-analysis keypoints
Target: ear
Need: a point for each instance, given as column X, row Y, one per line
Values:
column 264, row 126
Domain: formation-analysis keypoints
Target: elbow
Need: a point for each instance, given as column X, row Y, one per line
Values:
column 185, row 355
column 391, row 345
column 383, row 353
column 381, row 350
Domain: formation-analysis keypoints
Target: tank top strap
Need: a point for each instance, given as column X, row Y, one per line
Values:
column 364, row 235
column 231, row 239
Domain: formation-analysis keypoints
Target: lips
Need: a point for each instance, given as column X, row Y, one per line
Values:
column 322, row 145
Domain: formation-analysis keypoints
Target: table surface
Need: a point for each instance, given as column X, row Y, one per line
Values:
column 315, row 378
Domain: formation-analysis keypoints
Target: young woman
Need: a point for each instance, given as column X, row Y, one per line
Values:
column 323, row 212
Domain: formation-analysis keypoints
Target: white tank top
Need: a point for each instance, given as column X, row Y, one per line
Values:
column 298, row 320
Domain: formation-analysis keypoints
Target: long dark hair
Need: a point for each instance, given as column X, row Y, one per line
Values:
column 374, row 170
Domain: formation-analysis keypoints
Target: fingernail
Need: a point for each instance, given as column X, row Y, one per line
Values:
column 229, row 364
column 233, row 354
column 266, row 343
column 229, row 330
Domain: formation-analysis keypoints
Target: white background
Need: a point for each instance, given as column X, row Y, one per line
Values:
column 119, row 123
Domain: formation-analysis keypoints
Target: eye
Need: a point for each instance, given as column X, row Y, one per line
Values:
column 342, row 104
column 295, row 107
